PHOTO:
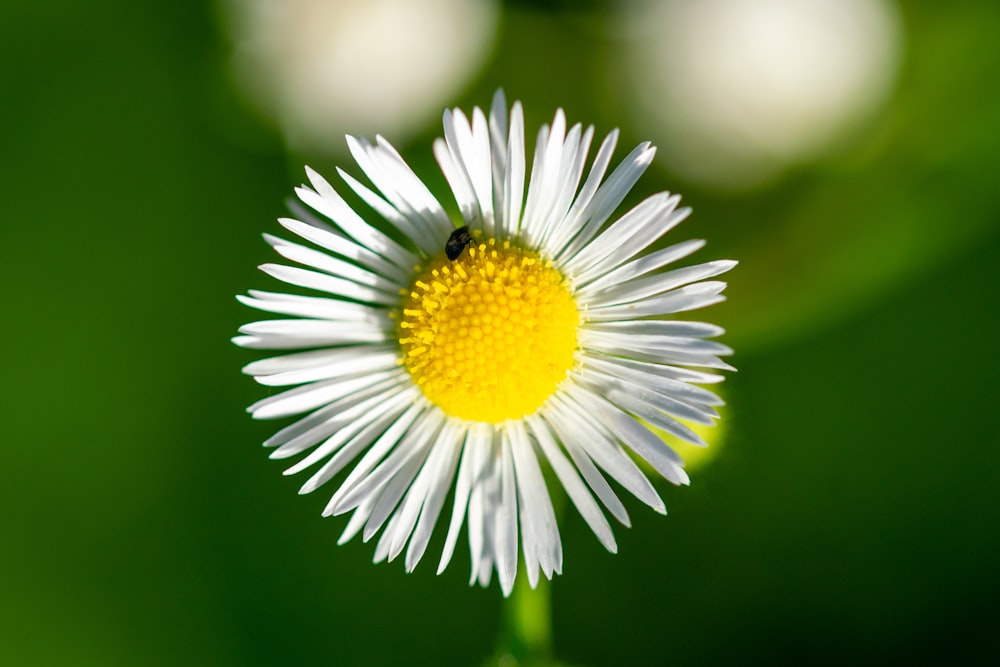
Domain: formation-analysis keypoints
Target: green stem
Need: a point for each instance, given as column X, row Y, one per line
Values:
column 526, row 640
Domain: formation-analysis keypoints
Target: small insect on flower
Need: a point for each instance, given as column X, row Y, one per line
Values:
column 459, row 239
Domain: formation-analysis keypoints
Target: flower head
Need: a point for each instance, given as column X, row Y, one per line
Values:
column 539, row 339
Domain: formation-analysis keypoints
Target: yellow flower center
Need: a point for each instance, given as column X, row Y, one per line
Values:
column 491, row 335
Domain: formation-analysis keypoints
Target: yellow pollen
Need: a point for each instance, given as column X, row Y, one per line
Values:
column 491, row 335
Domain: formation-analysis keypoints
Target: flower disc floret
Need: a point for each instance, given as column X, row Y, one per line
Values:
column 490, row 336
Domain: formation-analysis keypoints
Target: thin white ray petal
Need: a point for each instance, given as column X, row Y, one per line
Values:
column 395, row 435
column 635, row 436
column 474, row 441
column 620, row 249
column 413, row 446
column 479, row 505
column 405, row 221
column 689, row 297
column 325, row 200
column 563, row 186
column 431, row 510
column 347, row 388
column 406, row 193
column 457, row 179
column 530, row 222
column 656, row 377
column 305, row 398
column 409, row 508
column 698, row 346
column 577, row 148
column 354, row 436
column 315, row 307
column 679, row 328
column 357, row 521
column 538, row 505
column 604, row 449
column 607, row 198
column 432, row 469
column 290, row 334
column 627, row 231
column 571, row 225
column 413, row 190
column 498, row 128
column 327, row 263
column 625, row 393
column 568, row 435
column 506, row 523
column 544, row 190
column 382, row 546
column 354, row 412
column 639, row 267
column 513, row 192
column 645, row 287
column 329, row 284
column 350, row 361
column 390, row 493
column 480, row 167
column 345, row 247
column 570, row 480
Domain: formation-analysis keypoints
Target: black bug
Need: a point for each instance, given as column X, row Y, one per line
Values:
column 459, row 238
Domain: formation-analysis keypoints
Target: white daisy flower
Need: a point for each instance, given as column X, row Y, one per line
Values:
column 543, row 343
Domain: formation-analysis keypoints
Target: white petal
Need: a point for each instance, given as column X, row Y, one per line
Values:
column 372, row 479
column 537, row 505
column 439, row 465
column 316, row 307
column 311, row 396
column 572, row 223
column 352, row 413
column 329, row 264
column 390, row 493
column 354, row 436
column 513, row 191
column 291, row 334
column 543, row 189
column 457, row 179
column 506, row 522
column 679, row 328
column 636, row 436
column 357, row 521
column 435, row 499
column 607, row 198
column 325, row 200
column 641, row 266
column 690, row 297
column 651, row 381
column 407, row 221
column 395, row 435
column 568, row 433
column 329, row 284
column 331, row 364
column 626, row 394
column 574, row 160
column 335, row 242
column 475, row 441
column 602, row 446
column 687, row 351
column 642, row 288
column 632, row 232
column 571, row 481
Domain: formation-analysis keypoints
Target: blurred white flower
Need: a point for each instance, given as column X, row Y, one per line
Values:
column 323, row 68
column 737, row 90
column 539, row 330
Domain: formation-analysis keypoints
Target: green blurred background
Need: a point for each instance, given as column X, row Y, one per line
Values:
column 851, row 515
